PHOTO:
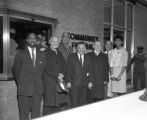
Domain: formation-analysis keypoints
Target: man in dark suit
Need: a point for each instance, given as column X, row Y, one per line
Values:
column 139, row 68
column 28, row 68
column 64, row 46
column 100, row 72
column 78, row 75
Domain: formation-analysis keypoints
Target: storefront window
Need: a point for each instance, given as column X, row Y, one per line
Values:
column 120, row 22
column 119, row 12
column 1, row 44
column 129, row 16
column 107, row 11
column 106, row 33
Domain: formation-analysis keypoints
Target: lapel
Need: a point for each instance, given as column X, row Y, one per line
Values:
column 28, row 57
column 37, row 57
column 70, row 50
column 66, row 49
column 98, row 54
column 77, row 60
column 85, row 59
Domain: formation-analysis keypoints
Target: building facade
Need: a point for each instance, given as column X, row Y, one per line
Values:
column 53, row 17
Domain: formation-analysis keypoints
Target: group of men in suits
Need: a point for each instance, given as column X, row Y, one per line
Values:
column 87, row 72
column 38, row 72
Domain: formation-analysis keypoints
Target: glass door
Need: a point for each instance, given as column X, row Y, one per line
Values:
column 19, row 28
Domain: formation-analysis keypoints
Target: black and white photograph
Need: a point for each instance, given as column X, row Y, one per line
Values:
column 73, row 59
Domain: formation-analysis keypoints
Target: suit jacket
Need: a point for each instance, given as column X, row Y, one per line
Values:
column 139, row 63
column 100, row 73
column 55, row 65
column 77, row 74
column 28, row 77
column 65, row 52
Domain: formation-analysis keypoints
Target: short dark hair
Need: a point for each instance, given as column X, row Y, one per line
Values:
column 28, row 34
column 119, row 37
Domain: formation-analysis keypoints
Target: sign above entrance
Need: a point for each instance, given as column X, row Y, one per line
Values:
column 81, row 37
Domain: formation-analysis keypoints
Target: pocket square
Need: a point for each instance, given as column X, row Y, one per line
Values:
column 87, row 74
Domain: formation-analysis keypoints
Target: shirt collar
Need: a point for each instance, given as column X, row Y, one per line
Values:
column 30, row 48
column 80, row 54
column 97, row 52
column 55, row 50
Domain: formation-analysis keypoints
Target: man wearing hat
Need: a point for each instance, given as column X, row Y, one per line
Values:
column 139, row 68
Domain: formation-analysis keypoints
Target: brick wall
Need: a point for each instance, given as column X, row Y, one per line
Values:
column 78, row 16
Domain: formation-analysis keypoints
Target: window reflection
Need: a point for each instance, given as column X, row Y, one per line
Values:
column 129, row 16
column 107, row 11
column 119, row 12
column 106, row 33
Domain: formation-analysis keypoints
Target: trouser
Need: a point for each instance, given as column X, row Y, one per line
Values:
column 78, row 96
column 29, row 104
column 136, row 78
column 47, row 110
column 96, row 99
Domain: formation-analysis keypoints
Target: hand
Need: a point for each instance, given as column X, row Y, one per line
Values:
column 60, row 76
column 118, row 78
column 69, row 85
column 112, row 78
column 42, row 49
column 87, row 74
column 90, row 85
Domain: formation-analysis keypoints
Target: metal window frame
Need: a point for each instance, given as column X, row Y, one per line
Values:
column 125, row 29
column 7, row 14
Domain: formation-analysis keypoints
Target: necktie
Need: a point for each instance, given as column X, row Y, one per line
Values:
column 67, row 49
column 33, row 57
column 81, row 59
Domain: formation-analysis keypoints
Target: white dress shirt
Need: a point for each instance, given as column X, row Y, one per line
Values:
column 34, row 51
column 82, row 56
column 97, row 52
